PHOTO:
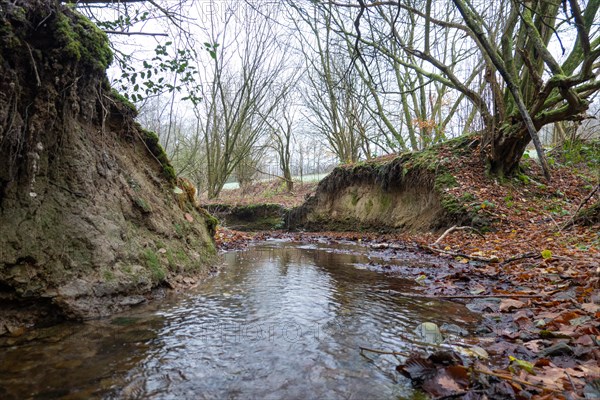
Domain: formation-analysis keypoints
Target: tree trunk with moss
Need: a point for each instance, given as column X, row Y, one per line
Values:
column 527, row 102
column 528, row 83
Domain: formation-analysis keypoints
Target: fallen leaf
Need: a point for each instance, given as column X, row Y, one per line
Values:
column 447, row 381
column 527, row 366
column 590, row 307
column 510, row 304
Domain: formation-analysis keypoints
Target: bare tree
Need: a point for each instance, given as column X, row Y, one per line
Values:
column 412, row 110
column 332, row 90
column 531, row 86
column 242, row 88
column 281, row 137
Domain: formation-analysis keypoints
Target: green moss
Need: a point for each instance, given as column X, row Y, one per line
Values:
column 385, row 201
column 445, row 180
column 153, row 264
column 178, row 229
column 152, row 142
column 208, row 252
column 524, row 179
column 8, row 39
column 369, row 206
column 123, row 100
column 467, row 197
column 182, row 256
column 452, row 205
column 108, row 275
column 211, row 222
column 82, row 41
column 355, row 198
column 143, row 205
column 171, row 259
column 252, row 217
column 169, row 172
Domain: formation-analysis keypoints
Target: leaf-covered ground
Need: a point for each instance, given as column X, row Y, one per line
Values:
column 534, row 276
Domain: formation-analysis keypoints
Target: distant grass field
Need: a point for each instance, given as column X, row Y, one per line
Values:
column 305, row 178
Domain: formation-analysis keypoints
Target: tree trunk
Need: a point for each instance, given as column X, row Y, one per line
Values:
column 508, row 147
column 289, row 182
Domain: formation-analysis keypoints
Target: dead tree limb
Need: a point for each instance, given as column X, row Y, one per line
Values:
column 456, row 228
column 456, row 254
column 572, row 219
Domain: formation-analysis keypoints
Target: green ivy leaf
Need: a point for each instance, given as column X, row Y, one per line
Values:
column 546, row 254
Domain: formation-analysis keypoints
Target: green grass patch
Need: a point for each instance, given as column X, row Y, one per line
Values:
column 153, row 264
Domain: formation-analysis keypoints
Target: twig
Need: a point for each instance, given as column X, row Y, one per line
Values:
column 135, row 33
column 521, row 257
column 570, row 380
column 393, row 353
column 457, row 394
column 555, row 223
column 477, row 296
column 37, row 75
column 589, row 196
column 455, row 254
column 456, row 228
column 514, row 379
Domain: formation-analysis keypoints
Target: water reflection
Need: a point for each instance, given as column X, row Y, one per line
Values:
column 282, row 321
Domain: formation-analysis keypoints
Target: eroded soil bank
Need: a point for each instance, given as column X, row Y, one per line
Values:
column 89, row 219
column 408, row 192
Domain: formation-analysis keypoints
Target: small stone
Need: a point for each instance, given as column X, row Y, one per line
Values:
column 429, row 332
column 132, row 300
column 453, row 329
column 559, row 349
column 380, row 245
column 480, row 352
column 15, row 331
column 75, row 288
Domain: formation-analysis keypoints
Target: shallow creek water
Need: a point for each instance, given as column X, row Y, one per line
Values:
column 281, row 321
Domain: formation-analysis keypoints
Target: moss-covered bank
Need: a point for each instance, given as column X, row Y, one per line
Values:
column 253, row 217
column 404, row 192
column 90, row 215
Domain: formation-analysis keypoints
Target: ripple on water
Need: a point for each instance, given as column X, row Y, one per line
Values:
column 282, row 321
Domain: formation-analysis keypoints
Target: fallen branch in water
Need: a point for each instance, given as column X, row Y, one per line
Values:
column 393, row 353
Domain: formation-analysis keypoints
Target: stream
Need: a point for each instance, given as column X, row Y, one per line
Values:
column 282, row 320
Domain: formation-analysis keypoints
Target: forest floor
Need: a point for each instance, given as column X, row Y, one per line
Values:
column 534, row 277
